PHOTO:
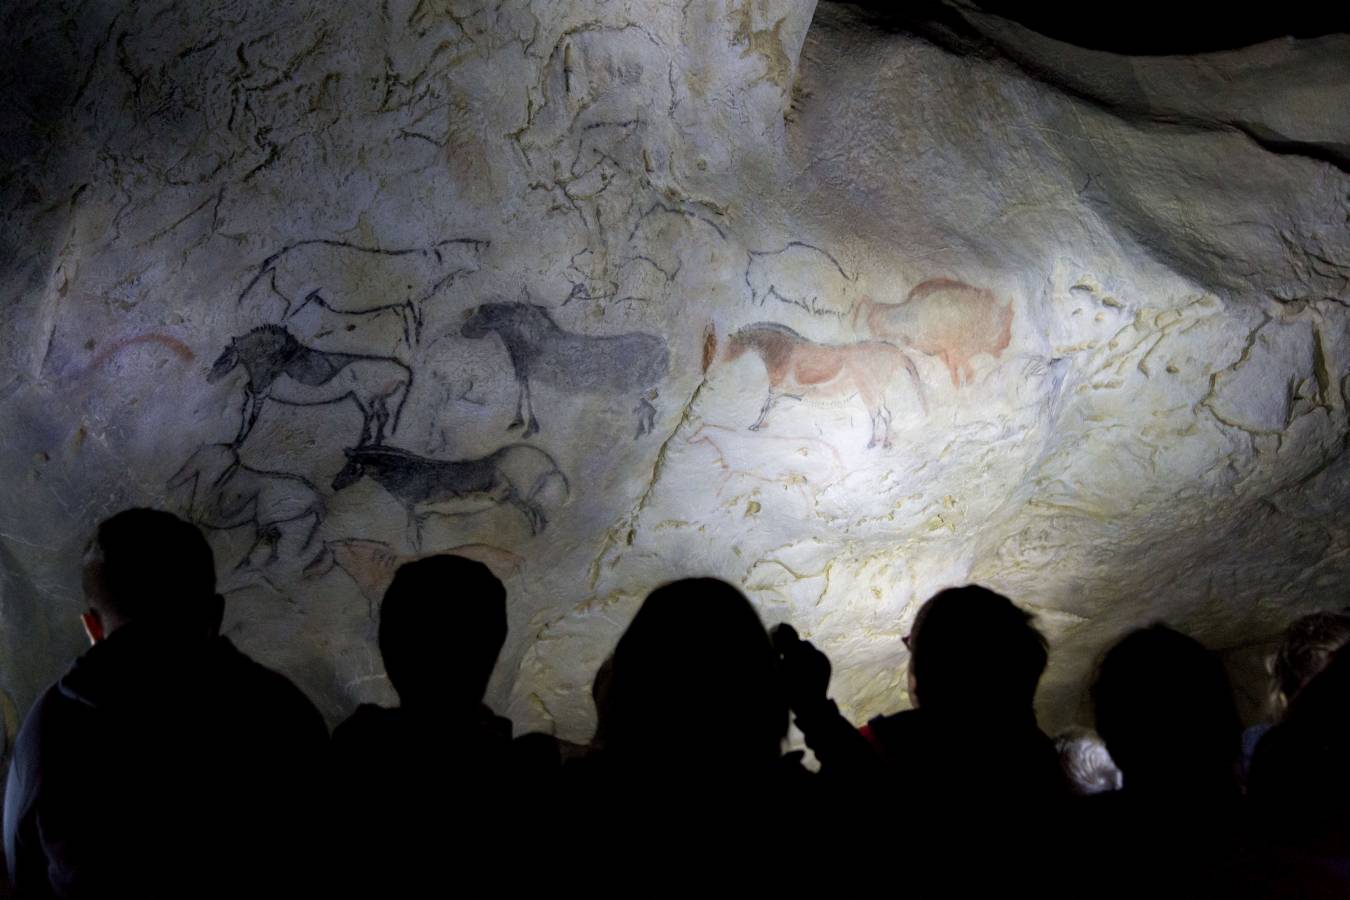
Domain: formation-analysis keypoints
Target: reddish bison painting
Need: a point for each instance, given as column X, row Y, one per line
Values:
column 944, row 318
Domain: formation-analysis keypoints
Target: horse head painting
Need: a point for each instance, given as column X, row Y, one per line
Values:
column 283, row 370
column 803, row 369
column 630, row 365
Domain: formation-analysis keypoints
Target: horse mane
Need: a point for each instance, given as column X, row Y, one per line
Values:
column 749, row 332
column 530, row 320
column 537, row 318
column 281, row 332
column 371, row 454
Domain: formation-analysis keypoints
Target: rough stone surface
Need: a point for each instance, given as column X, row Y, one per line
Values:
column 1070, row 324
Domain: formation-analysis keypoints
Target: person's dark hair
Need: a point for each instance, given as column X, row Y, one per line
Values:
column 1308, row 646
column 973, row 648
column 1165, row 708
column 151, row 563
column 696, row 665
column 442, row 626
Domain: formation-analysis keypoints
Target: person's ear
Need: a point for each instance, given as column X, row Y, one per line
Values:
column 93, row 625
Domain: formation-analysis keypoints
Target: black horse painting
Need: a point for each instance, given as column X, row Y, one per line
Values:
column 631, row 365
column 280, row 368
column 516, row 474
column 226, row 494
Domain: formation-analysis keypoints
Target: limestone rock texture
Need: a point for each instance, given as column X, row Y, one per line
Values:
column 844, row 311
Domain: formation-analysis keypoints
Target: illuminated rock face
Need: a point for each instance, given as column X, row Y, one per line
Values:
column 605, row 295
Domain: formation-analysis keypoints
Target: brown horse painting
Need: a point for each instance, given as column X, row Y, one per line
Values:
column 944, row 318
column 803, row 369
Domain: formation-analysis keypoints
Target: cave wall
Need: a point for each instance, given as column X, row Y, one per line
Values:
column 350, row 283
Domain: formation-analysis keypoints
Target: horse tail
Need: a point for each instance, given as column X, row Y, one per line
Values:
column 407, row 389
column 709, row 346
column 551, row 467
column 1005, row 331
column 542, row 481
column 567, row 485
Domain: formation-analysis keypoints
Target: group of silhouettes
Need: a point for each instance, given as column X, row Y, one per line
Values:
column 165, row 762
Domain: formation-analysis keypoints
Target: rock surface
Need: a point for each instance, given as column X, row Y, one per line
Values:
column 841, row 313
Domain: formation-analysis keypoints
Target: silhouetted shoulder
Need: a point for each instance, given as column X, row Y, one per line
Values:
column 895, row 731
column 368, row 723
column 267, row 694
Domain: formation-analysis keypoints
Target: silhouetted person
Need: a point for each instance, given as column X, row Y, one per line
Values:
column 1165, row 709
column 165, row 762
column 967, row 766
column 1306, row 649
column 692, row 717
column 428, row 782
column 1300, row 792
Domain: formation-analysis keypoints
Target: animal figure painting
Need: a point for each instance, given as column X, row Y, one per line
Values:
column 283, row 370
column 630, row 365
column 799, row 274
column 227, row 494
column 944, row 318
column 350, row 280
column 801, row 368
column 517, row 475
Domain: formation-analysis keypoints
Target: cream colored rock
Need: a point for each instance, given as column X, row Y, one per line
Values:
column 749, row 289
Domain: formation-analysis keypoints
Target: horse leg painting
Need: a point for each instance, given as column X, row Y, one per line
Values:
column 804, row 369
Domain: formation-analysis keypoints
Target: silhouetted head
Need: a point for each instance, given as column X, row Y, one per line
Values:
column 696, row 681
column 973, row 651
column 1165, row 709
column 442, row 625
column 149, row 565
column 224, row 364
column 1308, row 646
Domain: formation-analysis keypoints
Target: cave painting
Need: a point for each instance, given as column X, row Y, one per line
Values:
column 630, row 365
column 347, row 280
column 282, row 369
column 944, row 318
column 226, row 494
column 799, row 274
column 372, row 564
column 517, row 475
column 801, row 368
